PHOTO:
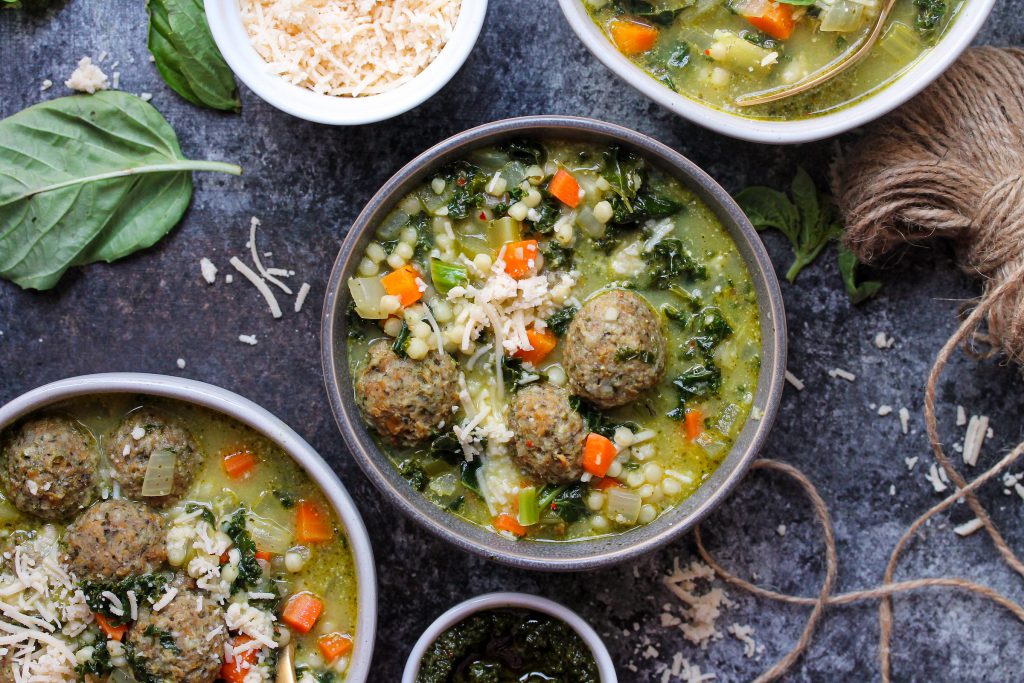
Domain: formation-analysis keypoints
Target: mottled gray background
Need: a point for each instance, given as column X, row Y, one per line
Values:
column 307, row 182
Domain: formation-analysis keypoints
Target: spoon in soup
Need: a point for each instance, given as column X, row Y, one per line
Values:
column 285, row 664
column 837, row 66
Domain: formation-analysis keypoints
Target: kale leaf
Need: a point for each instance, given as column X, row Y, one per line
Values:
column 929, row 15
column 571, row 503
column 525, row 151
column 560, row 320
column 99, row 664
column 469, row 471
column 205, row 513
column 596, row 420
column 469, row 183
column 286, row 498
column 414, row 474
column 630, row 353
column 557, row 257
column 249, row 572
column 668, row 262
column 163, row 637
column 848, row 269
column 402, row 341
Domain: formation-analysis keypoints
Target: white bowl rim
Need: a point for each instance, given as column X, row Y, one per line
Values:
column 262, row 421
column 233, row 41
column 914, row 79
column 491, row 601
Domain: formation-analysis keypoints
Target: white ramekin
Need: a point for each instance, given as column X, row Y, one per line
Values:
column 252, row 415
column 231, row 37
column 912, row 81
column 526, row 601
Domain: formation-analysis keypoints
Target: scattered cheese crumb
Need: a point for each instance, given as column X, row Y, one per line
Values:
column 839, row 373
column 300, row 299
column 968, row 528
column 911, row 462
column 87, row 77
column 146, row 96
column 249, row 339
column 208, row 270
column 977, row 430
column 884, row 341
column 229, row 278
column 781, row 530
column 795, row 381
column 46, row 85
column 961, row 416
column 702, row 610
column 743, row 634
column 884, row 410
column 275, row 308
column 181, row 363
column 935, row 479
column 905, row 420
column 115, row 80
column 892, row 489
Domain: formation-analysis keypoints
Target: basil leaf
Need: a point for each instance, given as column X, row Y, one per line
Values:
column 848, row 269
column 86, row 179
column 768, row 208
column 186, row 56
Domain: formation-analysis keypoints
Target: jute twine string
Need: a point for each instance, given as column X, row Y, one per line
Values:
column 950, row 164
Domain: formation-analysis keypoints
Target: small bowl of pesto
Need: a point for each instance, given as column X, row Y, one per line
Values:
column 509, row 637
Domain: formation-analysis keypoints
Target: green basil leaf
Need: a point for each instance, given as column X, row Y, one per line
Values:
column 768, row 208
column 805, row 196
column 848, row 269
column 86, row 179
column 186, row 56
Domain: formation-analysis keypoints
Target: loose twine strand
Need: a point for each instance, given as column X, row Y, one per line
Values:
column 949, row 164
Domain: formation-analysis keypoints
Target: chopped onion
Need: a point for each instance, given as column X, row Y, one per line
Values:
column 269, row 535
column 842, row 16
column 366, row 294
column 122, row 676
column 585, row 219
column 159, row 479
column 623, row 506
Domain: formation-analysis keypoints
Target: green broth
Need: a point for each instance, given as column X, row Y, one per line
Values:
column 668, row 467
column 689, row 58
column 269, row 492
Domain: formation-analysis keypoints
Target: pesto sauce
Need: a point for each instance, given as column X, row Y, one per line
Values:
column 502, row 646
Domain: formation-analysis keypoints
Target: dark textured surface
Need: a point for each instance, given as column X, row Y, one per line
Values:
column 307, row 182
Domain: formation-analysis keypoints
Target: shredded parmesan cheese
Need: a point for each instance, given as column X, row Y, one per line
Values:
column 795, row 381
column 87, row 78
column 246, row 271
column 968, row 528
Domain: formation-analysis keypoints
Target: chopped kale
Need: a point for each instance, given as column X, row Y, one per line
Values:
column 680, row 56
column 712, row 328
column 595, row 419
column 633, row 200
column 286, row 498
column 641, row 355
column 468, row 182
column 163, row 637
column 249, row 572
column 469, row 471
column 675, row 314
column 662, row 12
column 560, row 320
column 424, row 235
column 547, row 214
column 446, row 447
column 525, row 151
column 669, row 262
column 145, row 587
column 699, row 381
column 414, row 474
column 557, row 257
column 317, row 675
column 402, row 341
column 761, row 40
column 516, row 375
column 99, row 664
column 353, row 322
column 571, row 503
column 456, row 504
column 205, row 513
column 929, row 15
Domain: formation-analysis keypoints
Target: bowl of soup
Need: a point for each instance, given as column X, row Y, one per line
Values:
column 553, row 341
column 708, row 60
column 157, row 528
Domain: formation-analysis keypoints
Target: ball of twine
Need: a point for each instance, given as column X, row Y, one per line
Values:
column 950, row 164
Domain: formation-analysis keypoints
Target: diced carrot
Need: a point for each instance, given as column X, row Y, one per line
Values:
column 565, row 188
column 225, row 558
column 605, row 483
column 543, row 343
column 239, row 463
column 404, row 283
column 598, row 454
column 301, row 611
column 632, row 36
column 109, row 630
column 777, row 20
column 509, row 523
column 694, row 423
column 235, row 670
column 334, row 645
column 521, row 258
column 312, row 525
column 264, row 555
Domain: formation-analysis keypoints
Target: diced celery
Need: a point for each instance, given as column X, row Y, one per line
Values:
column 471, row 246
column 732, row 51
column 393, row 224
column 504, row 230
column 447, row 275
column 529, row 511
column 901, row 42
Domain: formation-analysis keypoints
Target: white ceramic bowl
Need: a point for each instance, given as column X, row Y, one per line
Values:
column 925, row 70
column 490, row 601
column 233, row 40
column 250, row 414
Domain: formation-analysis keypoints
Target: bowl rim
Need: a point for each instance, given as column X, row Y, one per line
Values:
column 539, row 555
column 260, row 420
column 490, row 601
column 229, row 34
column 915, row 78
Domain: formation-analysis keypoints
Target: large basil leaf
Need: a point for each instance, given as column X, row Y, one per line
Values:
column 86, row 179
column 187, row 57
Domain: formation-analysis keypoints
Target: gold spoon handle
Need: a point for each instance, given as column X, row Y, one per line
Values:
column 285, row 664
column 837, row 66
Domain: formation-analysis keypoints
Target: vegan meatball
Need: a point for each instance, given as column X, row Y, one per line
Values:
column 143, row 433
column 406, row 400
column 130, row 535
column 50, row 468
column 196, row 656
column 614, row 349
column 549, row 434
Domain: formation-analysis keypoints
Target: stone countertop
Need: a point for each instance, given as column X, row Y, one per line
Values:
column 307, row 182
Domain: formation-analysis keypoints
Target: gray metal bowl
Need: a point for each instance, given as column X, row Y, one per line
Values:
column 548, row 555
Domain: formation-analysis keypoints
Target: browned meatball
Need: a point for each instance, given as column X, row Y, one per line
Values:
column 194, row 658
column 143, row 433
column 615, row 349
column 50, row 468
column 549, row 434
column 130, row 535
column 406, row 400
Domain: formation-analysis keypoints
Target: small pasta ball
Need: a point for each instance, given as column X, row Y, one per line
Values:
column 635, row 479
column 442, row 311
column 417, row 349
column 532, row 199
column 647, row 514
column 483, row 262
column 408, row 235
column 389, row 303
column 404, row 250
column 595, row 500
column 368, row 268
column 670, row 487
column 599, row 523
column 421, row 330
column 395, row 261
column 615, row 469
column 603, row 211
column 393, row 326
column 653, row 473
column 375, row 252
